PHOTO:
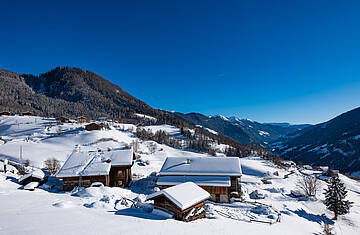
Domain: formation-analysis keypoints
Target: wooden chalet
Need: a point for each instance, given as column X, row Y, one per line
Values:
column 81, row 119
column 220, row 176
column 35, row 176
column 27, row 114
column 5, row 113
column 62, row 119
column 110, row 167
column 94, row 126
column 184, row 201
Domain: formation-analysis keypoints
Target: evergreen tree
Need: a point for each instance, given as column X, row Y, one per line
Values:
column 335, row 197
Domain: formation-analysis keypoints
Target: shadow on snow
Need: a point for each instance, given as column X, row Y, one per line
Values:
column 312, row 217
column 138, row 213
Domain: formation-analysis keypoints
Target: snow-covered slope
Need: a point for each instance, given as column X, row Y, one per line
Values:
column 242, row 130
column 107, row 210
column 104, row 210
column 335, row 143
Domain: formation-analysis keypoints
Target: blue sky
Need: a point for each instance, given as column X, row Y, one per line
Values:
column 271, row 61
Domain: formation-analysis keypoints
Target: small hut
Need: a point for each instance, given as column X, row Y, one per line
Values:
column 27, row 113
column 81, row 119
column 185, row 201
column 5, row 113
column 62, row 119
column 35, row 176
column 94, row 126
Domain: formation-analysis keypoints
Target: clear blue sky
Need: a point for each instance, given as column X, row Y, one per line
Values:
column 271, row 61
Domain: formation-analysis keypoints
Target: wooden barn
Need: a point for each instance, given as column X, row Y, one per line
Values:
column 94, row 126
column 5, row 113
column 62, row 119
column 110, row 167
column 27, row 114
column 220, row 176
column 184, row 201
column 35, row 176
column 81, row 119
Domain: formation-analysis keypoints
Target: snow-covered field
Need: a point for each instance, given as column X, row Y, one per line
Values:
column 106, row 210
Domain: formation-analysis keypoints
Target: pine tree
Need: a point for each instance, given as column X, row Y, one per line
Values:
column 335, row 197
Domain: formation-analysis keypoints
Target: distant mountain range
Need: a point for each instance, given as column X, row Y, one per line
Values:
column 335, row 143
column 74, row 92
column 243, row 130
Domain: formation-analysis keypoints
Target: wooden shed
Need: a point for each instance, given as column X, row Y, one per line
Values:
column 35, row 176
column 81, row 119
column 94, row 126
column 5, row 113
column 184, row 201
column 111, row 168
column 62, row 119
column 220, row 176
column 27, row 113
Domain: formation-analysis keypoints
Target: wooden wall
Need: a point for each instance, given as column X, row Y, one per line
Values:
column 70, row 182
column 162, row 203
column 120, row 176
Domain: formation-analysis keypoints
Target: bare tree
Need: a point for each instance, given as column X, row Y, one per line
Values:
column 309, row 184
column 135, row 145
column 27, row 162
column 327, row 229
column 52, row 165
column 152, row 148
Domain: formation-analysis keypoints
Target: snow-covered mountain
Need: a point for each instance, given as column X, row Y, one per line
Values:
column 335, row 142
column 243, row 130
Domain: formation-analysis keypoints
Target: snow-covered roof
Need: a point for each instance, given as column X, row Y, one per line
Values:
column 183, row 195
column 37, row 173
column 121, row 157
column 95, row 163
column 219, row 181
column 211, row 166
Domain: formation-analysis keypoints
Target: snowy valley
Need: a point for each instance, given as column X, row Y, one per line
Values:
column 267, row 206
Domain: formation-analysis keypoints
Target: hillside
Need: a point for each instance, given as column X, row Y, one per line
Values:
column 335, row 142
column 103, row 210
column 67, row 91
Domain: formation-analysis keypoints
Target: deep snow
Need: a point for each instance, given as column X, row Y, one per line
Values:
column 104, row 210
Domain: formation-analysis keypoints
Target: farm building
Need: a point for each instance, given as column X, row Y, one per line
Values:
column 35, row 176
column 94, row 126
column 185, row 201
column 5, row 113
column 81, row 119
column 62, row 119
column 220, row 176
column 110, row 167
column 27, row 114
column 288, row 163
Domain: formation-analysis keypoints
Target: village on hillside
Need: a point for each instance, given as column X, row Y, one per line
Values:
column 99, row 176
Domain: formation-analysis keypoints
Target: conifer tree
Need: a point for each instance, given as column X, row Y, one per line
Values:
column 335, row 197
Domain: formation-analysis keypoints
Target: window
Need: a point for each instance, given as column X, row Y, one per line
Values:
column 119, row 173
